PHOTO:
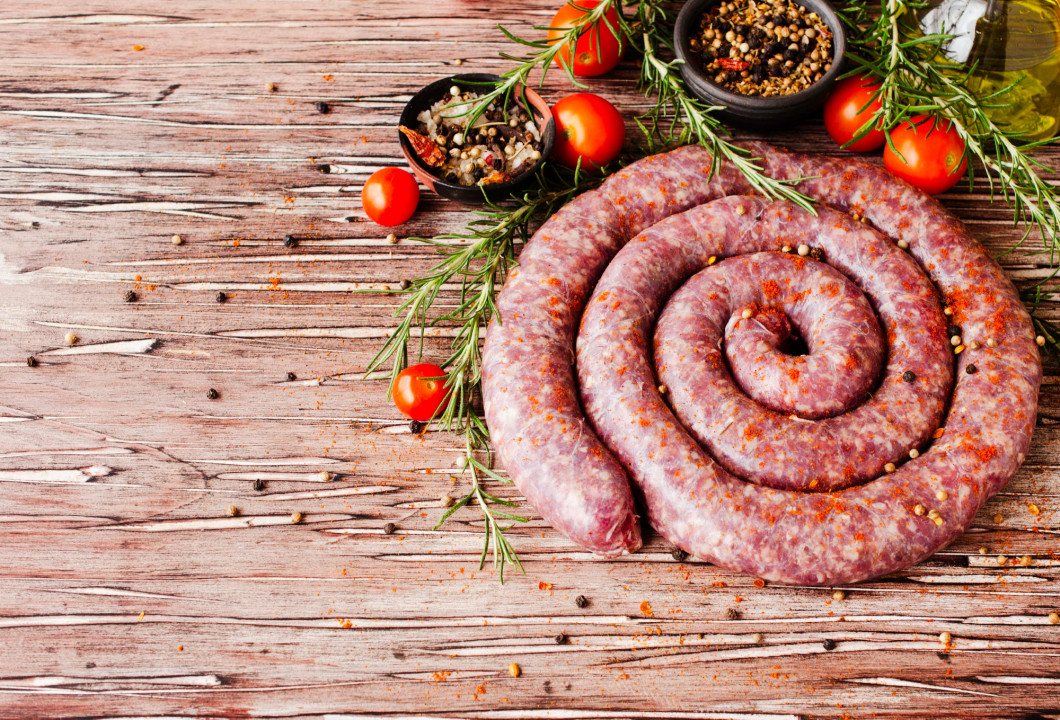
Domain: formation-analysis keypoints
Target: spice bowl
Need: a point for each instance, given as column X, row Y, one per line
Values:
column 475, row 194
column 756, row 111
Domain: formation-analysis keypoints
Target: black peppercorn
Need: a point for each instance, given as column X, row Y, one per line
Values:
column 291, row 377
column 817, row 254
column 32, row 361
column 389, row 528
column 971, row 369
column 259, row 484
column 679, row 555
column 290, row 241
column 953, row 330
column 323, row 108
column 829, row 644
column 581, row 601
column 324, row 168
column 221, row 297
column 415, row 427
column 732, row 614
column 561, row 639
column 909, row 376
column 129, row 296
column 212, row 394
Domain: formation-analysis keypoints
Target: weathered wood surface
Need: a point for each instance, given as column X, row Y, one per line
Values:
column 127, row 590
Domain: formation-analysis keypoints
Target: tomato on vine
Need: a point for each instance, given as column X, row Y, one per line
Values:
column 598, row 48
column 848, row 108
column 587, row 127
column 927, row 152
column 390, row 196
column 419, row 390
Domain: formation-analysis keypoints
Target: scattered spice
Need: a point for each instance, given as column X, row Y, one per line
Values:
column 290, row 241
column 415, row 427
column 259, row 484
column 221, row 296
column 514, row 670
column 177, row 240
column 839, row 595
column 757, row 638
column 32, row 361
column 763, row 48
column 323, row 108
column 890, row 467
column 326, row 476
column 816, row 254
column 581, row 601
column 732, row 614
column 645, row 609
column 803, row 250
column 392, row 239
column 1026, row 561
column 903, row 244
column 446, row 501
column 747, row 313
column 291, row 377
column 1040, row 340
column 233, row 511
column 955, row 340
column 271, row 87
column 561, row 639
column 945, row 638
column 991, row 342
column 914, row 453
column 71, row 339
column 1033, row 509
column 138, row 48
column 129, row 296
column 458, row 61
column 1001, row 560
column 759, row 583
column 297, row 517
column 941, row 495
column 389, row 528
column 212, row 394
column 909, row 376
column 404, row 284
column 983, row 550
column 829, row 644
column 918, row 509
column 971, row 369
column 1054, row 618
column 662, row 389
column 679, row 555
column 998, row 519
column 974, row 345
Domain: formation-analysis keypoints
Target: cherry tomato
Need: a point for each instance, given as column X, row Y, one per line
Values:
column 927, row 152
column 598, row 49
column 587, row 127
column 416, row 395
column 390, row 196
column 848, row 108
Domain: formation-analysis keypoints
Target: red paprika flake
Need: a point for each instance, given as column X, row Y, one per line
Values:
column 736, row 65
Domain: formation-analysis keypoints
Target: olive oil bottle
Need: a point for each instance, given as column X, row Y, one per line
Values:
column 1012, row 48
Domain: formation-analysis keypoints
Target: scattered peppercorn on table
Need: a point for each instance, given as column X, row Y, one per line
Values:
column 207, row 511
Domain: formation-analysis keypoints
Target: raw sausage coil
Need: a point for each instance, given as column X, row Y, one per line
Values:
column 813, row 468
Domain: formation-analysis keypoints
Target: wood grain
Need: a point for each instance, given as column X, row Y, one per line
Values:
column 129, row 590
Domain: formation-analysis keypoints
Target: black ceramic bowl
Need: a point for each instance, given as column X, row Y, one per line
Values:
column 749, row 110
column 473, row 194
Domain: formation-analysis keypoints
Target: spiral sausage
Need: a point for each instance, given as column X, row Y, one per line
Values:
column 798, row 486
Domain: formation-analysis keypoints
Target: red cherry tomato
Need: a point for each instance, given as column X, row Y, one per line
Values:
column 416, row 394
column 390, row 196
column 927, row 152
column 598, row 49
column 587, row 127
column 848, row 108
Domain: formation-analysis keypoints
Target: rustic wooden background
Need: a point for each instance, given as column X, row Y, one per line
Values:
column 126, row 589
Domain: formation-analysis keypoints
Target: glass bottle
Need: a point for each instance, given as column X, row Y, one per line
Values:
column 1014, row 48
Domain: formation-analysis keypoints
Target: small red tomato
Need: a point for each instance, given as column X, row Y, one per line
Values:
column 390, row 196
column 927, row 152
column 420, row 390
column 598, row 49
column 587, row 127
column 848, row 108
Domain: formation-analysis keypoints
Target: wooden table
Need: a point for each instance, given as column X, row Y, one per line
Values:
column 128, row 589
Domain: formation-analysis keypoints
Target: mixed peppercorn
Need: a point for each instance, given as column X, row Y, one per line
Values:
column 763, row 48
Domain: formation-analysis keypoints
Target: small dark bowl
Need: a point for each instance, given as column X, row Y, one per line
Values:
column 473, row 194
column 750, row 110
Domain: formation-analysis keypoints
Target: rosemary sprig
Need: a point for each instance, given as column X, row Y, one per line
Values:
column 478, row 260
column 914, row 83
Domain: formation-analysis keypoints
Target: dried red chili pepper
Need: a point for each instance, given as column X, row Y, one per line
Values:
column 730, row 64
column 428, row 151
